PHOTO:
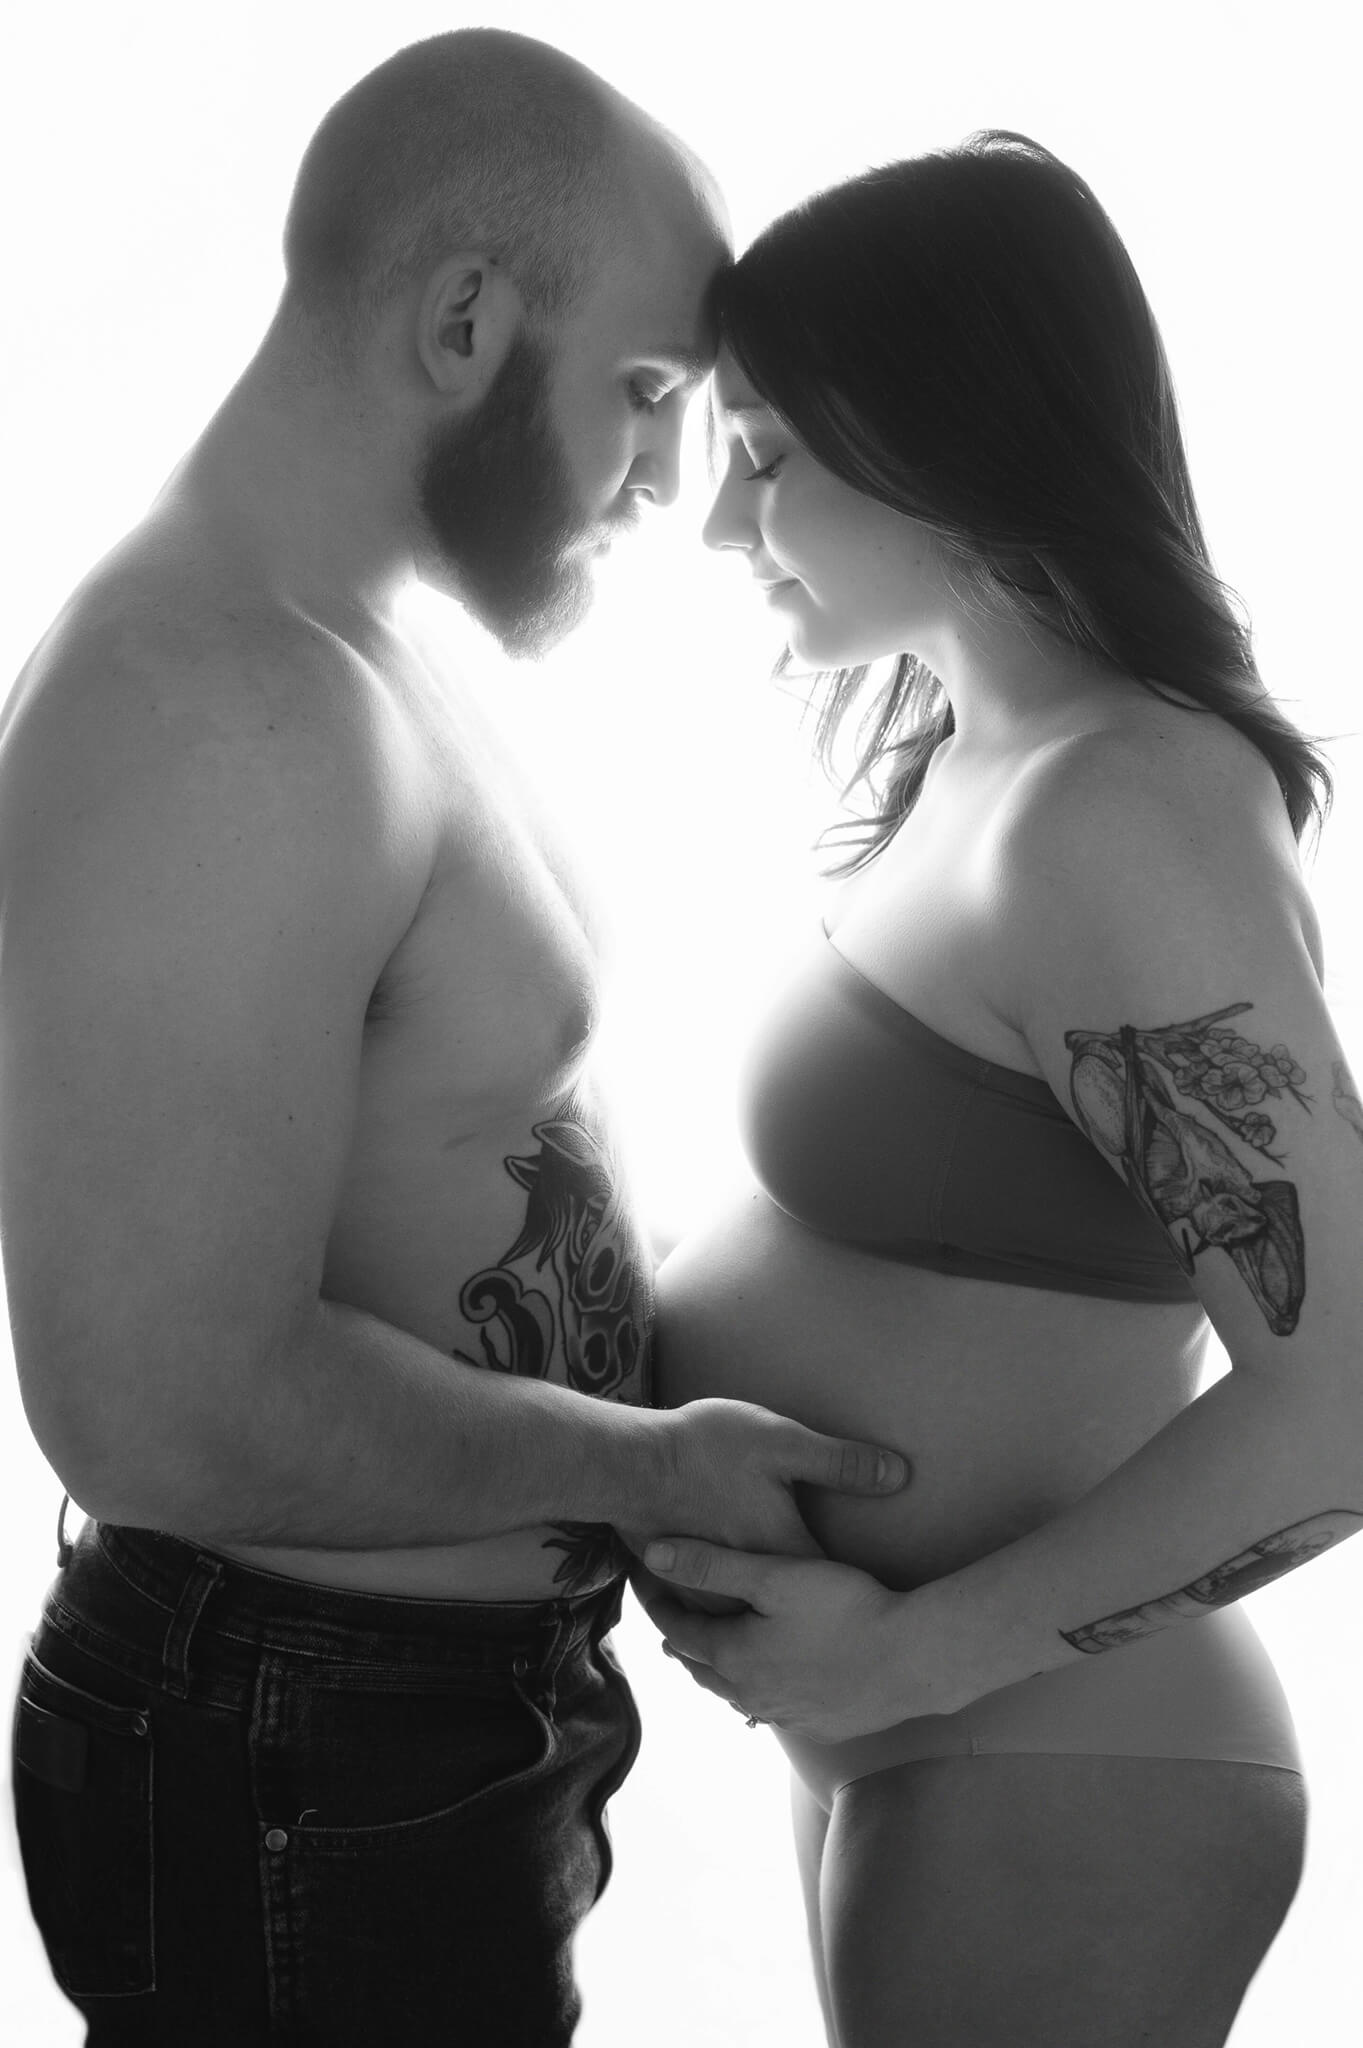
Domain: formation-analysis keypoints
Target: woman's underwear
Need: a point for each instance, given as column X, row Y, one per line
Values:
column 1203, row 1688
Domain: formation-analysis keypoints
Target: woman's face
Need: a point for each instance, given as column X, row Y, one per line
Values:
column 852, row 579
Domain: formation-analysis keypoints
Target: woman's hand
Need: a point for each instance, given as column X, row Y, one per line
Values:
column 822, row 1650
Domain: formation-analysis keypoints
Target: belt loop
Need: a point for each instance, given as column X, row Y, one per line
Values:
column 65, row 1550
column 556, row 1651
column 202, row 1579
column 540, row 1673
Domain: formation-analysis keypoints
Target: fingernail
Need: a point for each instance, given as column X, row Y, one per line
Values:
column 892, row 1470
column 660, row 1557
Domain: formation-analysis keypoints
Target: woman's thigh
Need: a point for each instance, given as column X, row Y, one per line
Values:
column 1054, row 1901
column 810, row 1821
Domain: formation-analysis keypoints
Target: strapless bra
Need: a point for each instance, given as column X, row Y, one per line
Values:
column 866, row 1126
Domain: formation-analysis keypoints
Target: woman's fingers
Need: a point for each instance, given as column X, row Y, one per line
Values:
column 709, row 1568
column 647, row 1588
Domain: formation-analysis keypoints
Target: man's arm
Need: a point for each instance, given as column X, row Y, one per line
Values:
column 201, row 887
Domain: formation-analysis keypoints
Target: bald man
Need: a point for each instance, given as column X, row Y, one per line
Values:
column 329, row 1306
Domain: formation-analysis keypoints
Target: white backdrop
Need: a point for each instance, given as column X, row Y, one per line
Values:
column 148, row 154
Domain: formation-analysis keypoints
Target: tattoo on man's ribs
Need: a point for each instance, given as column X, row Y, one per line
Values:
column 1258, row 1566
column 571, row 1299
column 1123, row 1084
column 1345, row 1098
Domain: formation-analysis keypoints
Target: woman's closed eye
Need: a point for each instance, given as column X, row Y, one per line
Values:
column 764, row 475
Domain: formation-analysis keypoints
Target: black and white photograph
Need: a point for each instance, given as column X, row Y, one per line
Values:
column 681, row 1027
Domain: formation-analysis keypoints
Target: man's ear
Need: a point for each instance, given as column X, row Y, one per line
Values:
column 466, row 319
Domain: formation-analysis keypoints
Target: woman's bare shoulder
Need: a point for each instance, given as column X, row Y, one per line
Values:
column 1153, row 774
column 1166, row 808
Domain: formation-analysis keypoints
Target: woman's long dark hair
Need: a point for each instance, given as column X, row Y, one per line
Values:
column 963, row 337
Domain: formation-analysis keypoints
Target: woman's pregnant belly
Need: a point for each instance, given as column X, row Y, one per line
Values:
column 1009, row 1402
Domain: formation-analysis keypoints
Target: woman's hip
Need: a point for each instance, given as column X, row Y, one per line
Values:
column 1205, row 1688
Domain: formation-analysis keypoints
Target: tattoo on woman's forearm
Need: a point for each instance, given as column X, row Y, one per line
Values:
column 1123, row 1083
column 1345, row 1098
column 1246, row 1573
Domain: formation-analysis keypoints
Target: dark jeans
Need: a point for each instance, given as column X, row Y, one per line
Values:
column 253, row 1810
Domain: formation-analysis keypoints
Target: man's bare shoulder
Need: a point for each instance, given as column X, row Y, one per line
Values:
column 141, row 651
column 158, row 682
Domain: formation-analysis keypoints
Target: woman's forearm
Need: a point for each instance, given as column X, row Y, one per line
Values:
column 1251, row 1480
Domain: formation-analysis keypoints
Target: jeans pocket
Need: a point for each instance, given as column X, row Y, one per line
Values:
column 83, row 1774
column 356, row 1751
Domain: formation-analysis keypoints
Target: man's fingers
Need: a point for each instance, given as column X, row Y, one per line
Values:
column 847, row 1467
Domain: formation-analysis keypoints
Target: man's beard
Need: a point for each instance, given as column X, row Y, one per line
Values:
column 500, row 508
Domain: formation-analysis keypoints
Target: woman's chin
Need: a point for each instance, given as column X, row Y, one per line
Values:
column 815, row 645
column 814, row 653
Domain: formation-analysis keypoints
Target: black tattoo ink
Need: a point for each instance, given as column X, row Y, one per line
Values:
column 1183, row 1171
column 1345, row 1098
column 1258, row 1566
column 592, row 1553
column 571, row 1299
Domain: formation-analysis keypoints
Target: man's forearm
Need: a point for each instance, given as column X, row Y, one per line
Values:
column 361, row 1436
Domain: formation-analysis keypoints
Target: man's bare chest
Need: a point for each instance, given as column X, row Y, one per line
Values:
column 489, row 1001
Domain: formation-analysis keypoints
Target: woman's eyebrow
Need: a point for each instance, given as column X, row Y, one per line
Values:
column 735, row 416
column 748, row 410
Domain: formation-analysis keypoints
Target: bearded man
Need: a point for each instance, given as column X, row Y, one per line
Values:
column 329, row 1305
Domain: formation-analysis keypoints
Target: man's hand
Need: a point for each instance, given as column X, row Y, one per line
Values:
column 823, row 1650
column 729, row 1470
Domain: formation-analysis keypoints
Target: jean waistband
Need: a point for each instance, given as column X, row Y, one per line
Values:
column 186, row 1590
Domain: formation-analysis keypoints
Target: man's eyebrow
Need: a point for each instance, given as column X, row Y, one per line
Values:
column 695, row 367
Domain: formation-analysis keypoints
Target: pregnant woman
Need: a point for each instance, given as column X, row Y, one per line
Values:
column 1055, row 1090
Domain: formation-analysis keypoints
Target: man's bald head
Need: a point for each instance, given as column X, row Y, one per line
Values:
column 478, row 139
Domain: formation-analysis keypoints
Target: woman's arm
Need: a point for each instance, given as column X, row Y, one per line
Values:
column 1170, row 996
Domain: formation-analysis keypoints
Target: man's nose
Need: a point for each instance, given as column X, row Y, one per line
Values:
column 658, row 476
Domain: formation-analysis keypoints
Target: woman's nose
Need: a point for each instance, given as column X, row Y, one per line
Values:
column 726, row 527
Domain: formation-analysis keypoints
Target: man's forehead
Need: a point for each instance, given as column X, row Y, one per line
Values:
column 654, row 307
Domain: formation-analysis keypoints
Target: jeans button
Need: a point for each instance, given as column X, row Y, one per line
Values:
column 276, row 1839
column 140, row 1724
column 519, row 1666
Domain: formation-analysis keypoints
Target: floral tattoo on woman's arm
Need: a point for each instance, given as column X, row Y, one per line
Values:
column 1345, row 1098
column 1123, row 1085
